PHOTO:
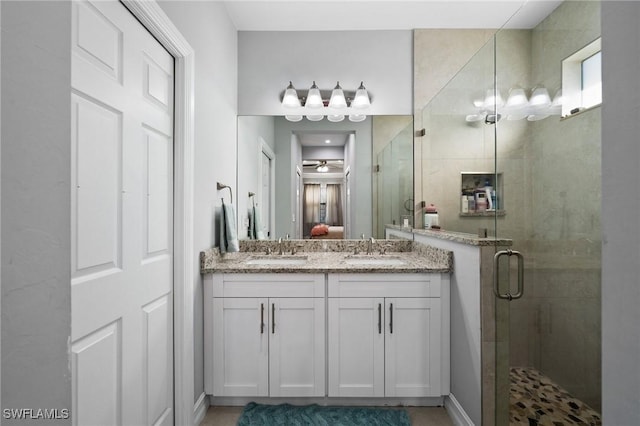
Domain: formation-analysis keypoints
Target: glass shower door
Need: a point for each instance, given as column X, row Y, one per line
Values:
column 547, row 348
column 394, row 180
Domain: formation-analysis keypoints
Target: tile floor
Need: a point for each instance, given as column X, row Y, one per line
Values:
column 432, row 416
column 535, row 396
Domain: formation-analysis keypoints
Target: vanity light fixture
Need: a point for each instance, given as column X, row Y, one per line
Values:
column 335, row 107
column 517, row 107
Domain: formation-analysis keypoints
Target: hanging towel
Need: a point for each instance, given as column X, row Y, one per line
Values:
column 228, row 232
column 252, row 224
column 258, row 233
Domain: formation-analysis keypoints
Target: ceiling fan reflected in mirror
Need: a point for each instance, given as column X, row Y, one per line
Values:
column 323, row 166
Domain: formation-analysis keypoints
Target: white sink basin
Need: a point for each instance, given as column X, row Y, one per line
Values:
column 374, row 260
column 277, row 260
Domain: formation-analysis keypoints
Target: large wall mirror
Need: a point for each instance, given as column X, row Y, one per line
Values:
column 322, row 179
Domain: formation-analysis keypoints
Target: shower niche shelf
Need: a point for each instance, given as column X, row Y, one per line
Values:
column 472, row 186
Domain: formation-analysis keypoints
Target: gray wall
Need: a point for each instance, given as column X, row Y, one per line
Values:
column 620, row 207
column 361, row 173
column 36, row 218
column 267, row 61
column 0, row 211
column 466, row 342
column 209, row 31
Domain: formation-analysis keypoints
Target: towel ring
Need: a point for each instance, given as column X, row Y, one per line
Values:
column 222, row 186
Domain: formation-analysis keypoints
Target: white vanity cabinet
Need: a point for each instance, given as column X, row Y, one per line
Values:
column 265, row 335
column 388, row 335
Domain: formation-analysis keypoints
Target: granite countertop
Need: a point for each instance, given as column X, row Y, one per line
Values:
column 327, row 256
column 457, row 237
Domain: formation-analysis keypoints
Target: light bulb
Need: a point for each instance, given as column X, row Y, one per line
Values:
column 293, row 118
column 517, row 98
column 315, row 117
column 290, row 98
column 337, row 100
column 314, row 98
column 493, row 99
column 540, row 98
column 361, row 99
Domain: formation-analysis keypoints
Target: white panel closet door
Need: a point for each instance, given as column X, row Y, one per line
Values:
column 122, row 220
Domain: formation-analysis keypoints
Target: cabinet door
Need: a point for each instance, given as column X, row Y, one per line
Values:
column 412, row 347
column 241, row 351
column 356, row 347
column 296, row 347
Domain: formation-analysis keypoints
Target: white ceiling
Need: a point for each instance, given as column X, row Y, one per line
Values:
column 318, row 138
column 346, row 15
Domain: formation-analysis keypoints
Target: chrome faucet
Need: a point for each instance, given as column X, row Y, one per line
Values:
column 280, row 246
column 370, row 245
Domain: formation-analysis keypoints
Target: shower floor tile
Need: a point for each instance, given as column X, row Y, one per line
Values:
column 536, row 400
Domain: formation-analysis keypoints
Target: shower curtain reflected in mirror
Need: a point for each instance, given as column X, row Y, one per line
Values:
column 334, row 205
column 311, row 206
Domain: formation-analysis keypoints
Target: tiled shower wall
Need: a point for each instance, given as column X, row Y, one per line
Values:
column 551, row 171
column 558, row 320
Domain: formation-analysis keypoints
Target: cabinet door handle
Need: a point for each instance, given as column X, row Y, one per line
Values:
column 379, row 318
column 262, row 318
column 391, row 318
column 273, row 318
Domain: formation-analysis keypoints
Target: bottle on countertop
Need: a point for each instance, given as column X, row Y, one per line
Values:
column 488, row 190
column 431, row 219
column 481, row 200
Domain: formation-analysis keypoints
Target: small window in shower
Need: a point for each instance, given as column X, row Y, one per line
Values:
column 592, row 80
column 582, row 79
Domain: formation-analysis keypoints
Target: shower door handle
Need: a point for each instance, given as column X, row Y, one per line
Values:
column 496, row 275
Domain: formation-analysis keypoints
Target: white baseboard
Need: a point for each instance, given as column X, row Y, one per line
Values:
column 458, row 416
column 238, row 401
column 200, row 409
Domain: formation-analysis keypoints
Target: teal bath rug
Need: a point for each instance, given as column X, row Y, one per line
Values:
column 315, row 415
